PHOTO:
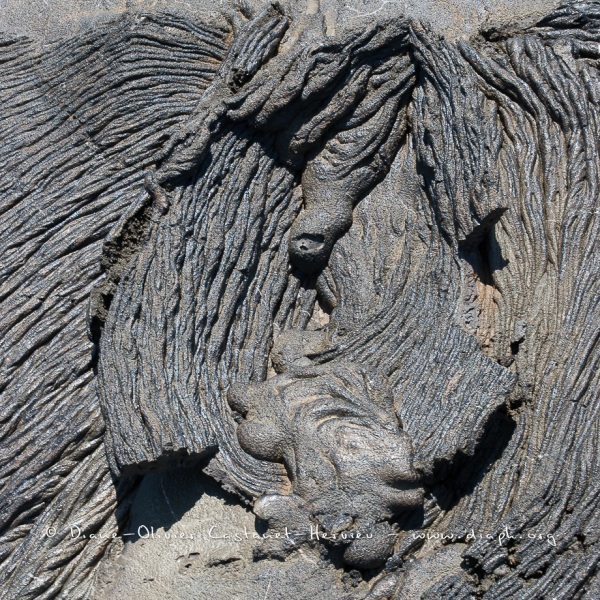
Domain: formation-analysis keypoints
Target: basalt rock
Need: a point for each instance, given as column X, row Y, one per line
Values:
column 352, row 275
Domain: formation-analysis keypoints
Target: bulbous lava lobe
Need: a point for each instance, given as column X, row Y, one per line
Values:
column 326, row 217
column 334, row 428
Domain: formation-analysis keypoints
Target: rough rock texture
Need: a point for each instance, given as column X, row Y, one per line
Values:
column 70, row 169
column 244, row 205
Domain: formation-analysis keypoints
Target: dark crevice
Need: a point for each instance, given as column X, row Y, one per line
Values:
column 461, row 476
